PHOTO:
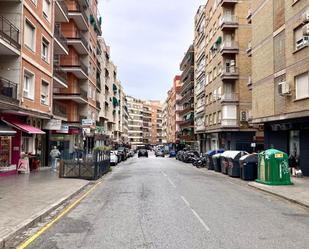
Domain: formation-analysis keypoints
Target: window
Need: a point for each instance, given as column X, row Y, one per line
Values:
column 299, row 39
column 302, row 86
column 215, row 118
column 219, row 117
column 44, row 93
column 29, row 38
column 45, row 50
column 28, row 85
column 46, row 9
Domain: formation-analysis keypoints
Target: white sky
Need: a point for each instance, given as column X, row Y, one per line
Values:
column 148, row 40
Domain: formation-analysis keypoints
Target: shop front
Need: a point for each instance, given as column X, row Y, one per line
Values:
column 7, row 166
column 290, row 136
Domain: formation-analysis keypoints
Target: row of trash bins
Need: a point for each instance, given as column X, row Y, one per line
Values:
column 234, row 163
column 268, row 167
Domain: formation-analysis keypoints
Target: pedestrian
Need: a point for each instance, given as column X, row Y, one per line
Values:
column 54, row 154
column 293, row 164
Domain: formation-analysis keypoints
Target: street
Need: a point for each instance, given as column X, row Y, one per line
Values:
column 163, row 203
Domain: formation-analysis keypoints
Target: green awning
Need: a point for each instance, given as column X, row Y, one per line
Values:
column 219, row 40
column 114, row 87
column 92, row 19
column 115, row 102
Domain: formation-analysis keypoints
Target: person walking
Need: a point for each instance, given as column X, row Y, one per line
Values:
column 54, row 154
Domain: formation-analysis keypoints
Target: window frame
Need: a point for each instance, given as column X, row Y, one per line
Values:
column 31, row 91
column 48, row 92
column 295, row 82
column 33, row 49
column 45, row 41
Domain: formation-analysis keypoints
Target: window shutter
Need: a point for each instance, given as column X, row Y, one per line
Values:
column 302, row 86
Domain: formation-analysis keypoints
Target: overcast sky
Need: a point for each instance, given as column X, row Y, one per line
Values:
column 148, row 40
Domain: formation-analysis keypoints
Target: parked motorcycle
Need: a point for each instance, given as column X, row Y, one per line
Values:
column 200, row 162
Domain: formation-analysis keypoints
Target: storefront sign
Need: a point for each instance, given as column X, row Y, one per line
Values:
column 87, row 122
column 64, row 129
column 52, row 125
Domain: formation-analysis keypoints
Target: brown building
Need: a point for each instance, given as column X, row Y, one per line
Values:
column 227, row 97
column 280, row 75
column 173, row 109
column 77, row 100
column 186, row 113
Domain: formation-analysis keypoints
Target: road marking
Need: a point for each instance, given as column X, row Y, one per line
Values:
column 30, row 240
column 171, row 182
column 163, row 173
column 185, row 201
column 200, row 220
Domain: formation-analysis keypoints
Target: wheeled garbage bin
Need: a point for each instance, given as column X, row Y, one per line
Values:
column 273, row 168
column 217, row 162
column 249, row 167
column 209, row 162
column 224, row 162
column 233, row 157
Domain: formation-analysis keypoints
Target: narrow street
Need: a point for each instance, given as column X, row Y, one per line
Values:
column 163, row 203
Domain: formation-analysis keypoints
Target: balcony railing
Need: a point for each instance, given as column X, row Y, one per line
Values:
column 63, row 6
column 60, row 37
column 79, row 36
column 83, row 67
column 59, row 73
column 228, row 20
column 230, row 72
column 229, row 123
column 228, row 46
column 82, row 94
column 59, row 110
column 9, row 32
column 8, row 89
column 229, row 97
column 79, row 9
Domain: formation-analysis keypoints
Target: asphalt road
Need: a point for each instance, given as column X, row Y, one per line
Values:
column 163, row 203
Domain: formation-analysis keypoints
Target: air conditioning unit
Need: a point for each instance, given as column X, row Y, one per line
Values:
column 306, row 30
column 305, row 17
column 299, row 43
column 284, row 88
column 243, row 116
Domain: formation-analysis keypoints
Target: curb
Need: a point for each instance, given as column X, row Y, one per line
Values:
column 280, row 196
column 38, row 217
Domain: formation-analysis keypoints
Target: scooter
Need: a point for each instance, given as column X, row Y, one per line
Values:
column 200, row 162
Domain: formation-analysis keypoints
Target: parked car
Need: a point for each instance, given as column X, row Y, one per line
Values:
column 159, row 153
column 172, row 153
column 131, row 153
column 122, row 153
column 113, row 157
column 142, row 153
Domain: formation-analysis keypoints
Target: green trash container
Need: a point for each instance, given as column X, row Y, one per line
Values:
column 273, row 168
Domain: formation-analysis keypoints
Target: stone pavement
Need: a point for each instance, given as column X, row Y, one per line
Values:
column 298, row 193
column 26, row 198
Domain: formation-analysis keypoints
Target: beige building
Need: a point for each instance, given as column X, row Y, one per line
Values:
column 227, row 70
column 280, row 77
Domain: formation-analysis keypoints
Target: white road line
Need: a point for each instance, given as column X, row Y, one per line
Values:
column 185, row 201
column 163, row 173
column 171, row 182
column 200, row 220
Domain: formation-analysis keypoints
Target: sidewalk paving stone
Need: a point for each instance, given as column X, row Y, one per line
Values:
column 26, row 198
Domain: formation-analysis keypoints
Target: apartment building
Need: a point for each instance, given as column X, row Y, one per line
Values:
column 136, row 124
column 152, row 122
column 200, row 77
column 173, row 109
column 26, row 79
column 164, row 122
column 280, row 75
column 228, row 69
column 186, row 102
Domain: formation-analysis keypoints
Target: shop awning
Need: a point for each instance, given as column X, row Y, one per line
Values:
column 25, row 127
column 6, row 130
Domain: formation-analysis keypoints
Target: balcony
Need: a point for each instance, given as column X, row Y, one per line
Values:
column 186, row 123
column 229, row 98
column 80, row 43
column 61, row 11
column 60, row 110
column 229, row 123
column 230, row 73
column 60, row 77
column 80, row 70
column 80, row 97
column 61, row 44
column 228, row 22
column 200, row 109
column 186, row 110
column 229, row 47
column 8, row 91
column 78, row 14
column 249, row 49
column 9, row 38
column 228, row 2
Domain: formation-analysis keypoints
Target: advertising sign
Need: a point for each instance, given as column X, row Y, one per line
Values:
column 52, row 124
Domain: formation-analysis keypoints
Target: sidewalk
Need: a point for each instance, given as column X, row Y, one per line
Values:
column 26, row 198
column 298, row 193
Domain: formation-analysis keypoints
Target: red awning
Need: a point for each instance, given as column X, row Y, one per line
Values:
column 24, row 127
